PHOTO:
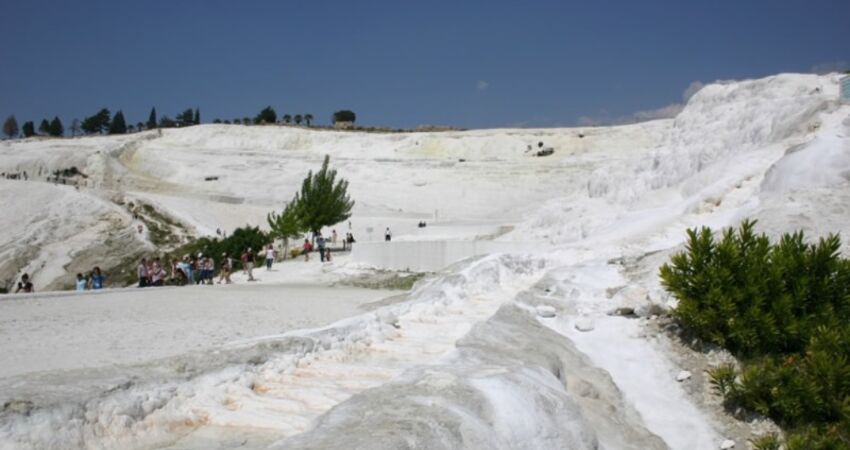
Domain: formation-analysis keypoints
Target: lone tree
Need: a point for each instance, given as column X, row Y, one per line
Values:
column 344, row 115
column 286, row 225
column 28, row 129
column 152, row 119
column 118, row 125
column 10, row 127
column 323, row 201
column 56, row 128
column 267, row 115
column 308, row 119
column 75, row 127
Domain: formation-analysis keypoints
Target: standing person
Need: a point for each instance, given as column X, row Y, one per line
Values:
column 269, row 256
column 307, row 248
column 333, row 237
column 226, row 267
column 249, row 264
column 81, row 282
column 97, row 279
column 209, row 267
column 198, row 265
column 244, row 258
column 388, row 236
column 321, row 243
column 142, row 272
column 25, row 284
column 187, row 269
column 157, row 274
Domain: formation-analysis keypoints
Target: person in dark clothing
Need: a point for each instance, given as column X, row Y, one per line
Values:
column 25, row 285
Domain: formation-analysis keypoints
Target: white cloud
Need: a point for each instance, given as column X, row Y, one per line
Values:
column 483, row 85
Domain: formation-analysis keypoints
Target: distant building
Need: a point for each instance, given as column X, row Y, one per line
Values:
column 845, row 89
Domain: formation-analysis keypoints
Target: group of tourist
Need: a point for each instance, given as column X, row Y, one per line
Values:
column 93, row 281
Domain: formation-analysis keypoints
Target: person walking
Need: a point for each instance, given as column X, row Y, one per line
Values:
column 269, row 256
column 249, row 264
column 226, row 267
column 306, row 249
column 321, row 243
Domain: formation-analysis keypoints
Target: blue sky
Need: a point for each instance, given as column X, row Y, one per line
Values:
column 396, row 63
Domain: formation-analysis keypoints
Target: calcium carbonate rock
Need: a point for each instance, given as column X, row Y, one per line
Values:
column 545, row 311
column 683, row 375
column 727, row 444
column 584, row 324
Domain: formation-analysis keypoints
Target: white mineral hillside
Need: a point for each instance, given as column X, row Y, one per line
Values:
column 514, row 348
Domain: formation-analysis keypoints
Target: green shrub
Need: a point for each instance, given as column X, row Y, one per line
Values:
column 784, row 310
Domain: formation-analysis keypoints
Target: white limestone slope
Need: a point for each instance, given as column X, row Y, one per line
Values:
column 502, row 351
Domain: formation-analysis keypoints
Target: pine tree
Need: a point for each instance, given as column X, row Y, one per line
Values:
column 267, row 115
column 98, row 123
column 197, row 116
column 118, row 125
column 286, row 225
column 75, row 127
column 28, row 129
column 323, row 201
column 185, row 118
column 152, row 119
column 10, row 127
column 56, row 128
column 44, row 127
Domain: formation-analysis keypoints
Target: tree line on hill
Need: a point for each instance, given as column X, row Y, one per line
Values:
column 104, row 122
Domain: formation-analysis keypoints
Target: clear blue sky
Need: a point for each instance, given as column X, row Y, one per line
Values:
column 400, row 63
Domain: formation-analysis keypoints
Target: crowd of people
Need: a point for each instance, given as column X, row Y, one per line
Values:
column 202, row 268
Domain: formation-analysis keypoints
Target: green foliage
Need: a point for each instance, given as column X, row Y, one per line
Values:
column 118, row 125
column 44, row 127
column 287, row 118
column 323, row 200
column 56, row 129
column 344, row 115
column 152, row 119
column 98, row 123
column 298, row 119
column 186, row 118
column 167, row 122
column 785, row 310
column 767, row 442
column 197, row 118
column 28, row 129
column 267, row 115
column 10, row 127
column 233, row 245
column 308, row 119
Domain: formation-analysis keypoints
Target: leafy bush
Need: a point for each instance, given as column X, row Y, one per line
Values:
column 233, row 245
column 784, row 309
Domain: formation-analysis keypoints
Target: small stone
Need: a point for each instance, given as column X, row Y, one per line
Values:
column 727, row 444
column 684, row 375
column 545, row 311
column 584, row 324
